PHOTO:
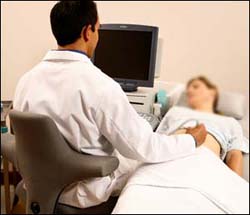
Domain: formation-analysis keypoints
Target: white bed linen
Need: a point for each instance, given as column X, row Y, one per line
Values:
column 201, row 177
column 156, row 200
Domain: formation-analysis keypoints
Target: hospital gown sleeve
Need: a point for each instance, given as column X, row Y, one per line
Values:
column 237, row 140
column 133, row 136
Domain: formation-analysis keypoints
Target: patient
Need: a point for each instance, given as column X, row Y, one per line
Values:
column 224, row 137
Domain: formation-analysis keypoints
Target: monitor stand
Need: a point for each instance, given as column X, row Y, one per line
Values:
column 128, row 87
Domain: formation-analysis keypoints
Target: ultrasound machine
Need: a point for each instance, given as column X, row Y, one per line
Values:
column 127, row 53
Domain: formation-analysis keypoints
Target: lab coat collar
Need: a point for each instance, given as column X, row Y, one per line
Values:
column 55, row 55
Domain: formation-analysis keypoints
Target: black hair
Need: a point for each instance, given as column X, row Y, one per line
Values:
column 68, row 18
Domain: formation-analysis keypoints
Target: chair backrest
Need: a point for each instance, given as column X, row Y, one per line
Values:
column 48, row 164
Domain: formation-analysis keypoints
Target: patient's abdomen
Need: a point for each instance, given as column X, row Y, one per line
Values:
column 210, row 142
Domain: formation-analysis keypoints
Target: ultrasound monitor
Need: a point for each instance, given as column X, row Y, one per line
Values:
column 127, row 53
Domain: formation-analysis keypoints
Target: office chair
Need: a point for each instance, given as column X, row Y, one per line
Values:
column 48, row 164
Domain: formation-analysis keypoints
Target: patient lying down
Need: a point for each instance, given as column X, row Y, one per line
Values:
column 224, row 134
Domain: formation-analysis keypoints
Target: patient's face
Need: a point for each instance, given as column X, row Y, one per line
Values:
column 198, row 93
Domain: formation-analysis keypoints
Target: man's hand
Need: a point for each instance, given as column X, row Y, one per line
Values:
column 199, row 133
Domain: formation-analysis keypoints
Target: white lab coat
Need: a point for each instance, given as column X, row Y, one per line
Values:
column 94, row 115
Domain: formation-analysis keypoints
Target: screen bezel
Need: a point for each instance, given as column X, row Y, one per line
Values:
column 131, row 27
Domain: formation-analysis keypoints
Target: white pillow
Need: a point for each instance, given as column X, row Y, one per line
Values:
column 229, row 104
column 232, row 104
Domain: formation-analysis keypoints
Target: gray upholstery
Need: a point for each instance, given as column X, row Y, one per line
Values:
column 48, row 164
column 8, row 147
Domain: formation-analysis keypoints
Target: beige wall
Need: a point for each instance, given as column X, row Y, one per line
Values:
column 210, row 38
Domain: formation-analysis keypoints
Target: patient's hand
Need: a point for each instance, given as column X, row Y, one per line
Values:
column 199, row 133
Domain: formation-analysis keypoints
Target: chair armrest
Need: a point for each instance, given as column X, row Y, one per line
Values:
column 8, row 148
column 91, row 165
column 246, row 167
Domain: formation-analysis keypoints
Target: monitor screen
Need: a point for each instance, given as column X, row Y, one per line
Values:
column 127, row 53
column 124, row 54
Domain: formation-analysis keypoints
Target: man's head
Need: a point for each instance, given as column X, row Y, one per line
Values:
column 201, row 92
column 75, row 24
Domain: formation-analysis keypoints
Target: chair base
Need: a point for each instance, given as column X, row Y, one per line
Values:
column 104, row 208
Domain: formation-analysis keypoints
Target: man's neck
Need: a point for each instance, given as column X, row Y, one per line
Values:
column 74, row 47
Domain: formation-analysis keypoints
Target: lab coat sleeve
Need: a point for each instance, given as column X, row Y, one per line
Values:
column 133, row 136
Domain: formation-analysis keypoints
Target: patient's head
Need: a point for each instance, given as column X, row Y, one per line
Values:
column 202, row 94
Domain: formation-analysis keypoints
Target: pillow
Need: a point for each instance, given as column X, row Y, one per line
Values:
column 232, row 104
column 229, row 104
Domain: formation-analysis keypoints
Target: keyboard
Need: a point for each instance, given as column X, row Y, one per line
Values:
column 151, row 119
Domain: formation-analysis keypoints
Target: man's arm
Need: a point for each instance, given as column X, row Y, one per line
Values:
column 234, row 160
column 132, row 136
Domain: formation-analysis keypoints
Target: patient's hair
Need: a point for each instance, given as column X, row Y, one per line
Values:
column 68, row 18
column 209, row 85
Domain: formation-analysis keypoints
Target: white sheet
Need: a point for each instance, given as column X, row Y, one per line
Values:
column 201, row 178
column 137, row 199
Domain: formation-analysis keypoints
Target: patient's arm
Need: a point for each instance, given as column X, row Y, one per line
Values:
column 234, row 160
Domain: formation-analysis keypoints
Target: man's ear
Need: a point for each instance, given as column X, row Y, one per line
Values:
column 86, row 33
